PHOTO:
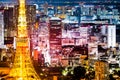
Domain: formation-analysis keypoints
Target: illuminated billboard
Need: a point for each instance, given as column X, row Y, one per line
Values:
column 111, row 36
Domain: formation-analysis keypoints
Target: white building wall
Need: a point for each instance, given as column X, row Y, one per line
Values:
column 1, row 31
column 111, row 36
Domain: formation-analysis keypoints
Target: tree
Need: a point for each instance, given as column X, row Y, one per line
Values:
column 79, row 72
column 111, row 77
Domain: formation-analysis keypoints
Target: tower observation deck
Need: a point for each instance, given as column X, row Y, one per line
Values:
column 22, row 68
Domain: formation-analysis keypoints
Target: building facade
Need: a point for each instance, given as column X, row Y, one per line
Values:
column 55, row 33
column 1, row 30
column 9, row 25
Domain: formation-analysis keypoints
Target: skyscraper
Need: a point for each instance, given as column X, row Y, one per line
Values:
column 55, row 33
column 9, row 26
column 1, row 30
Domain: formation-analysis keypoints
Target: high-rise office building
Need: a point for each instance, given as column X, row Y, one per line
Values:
column 118, row 33
column 1, row 30
column 111, row 36
column 55, row 33
column 101, row 70
column 9, row 25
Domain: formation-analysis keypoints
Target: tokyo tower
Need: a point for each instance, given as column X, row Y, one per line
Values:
column 22, row 68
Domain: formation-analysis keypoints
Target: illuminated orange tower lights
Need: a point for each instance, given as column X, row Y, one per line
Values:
column 22, row 67
column 22, row 23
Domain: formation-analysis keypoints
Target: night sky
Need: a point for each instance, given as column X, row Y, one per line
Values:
column 56, row 0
